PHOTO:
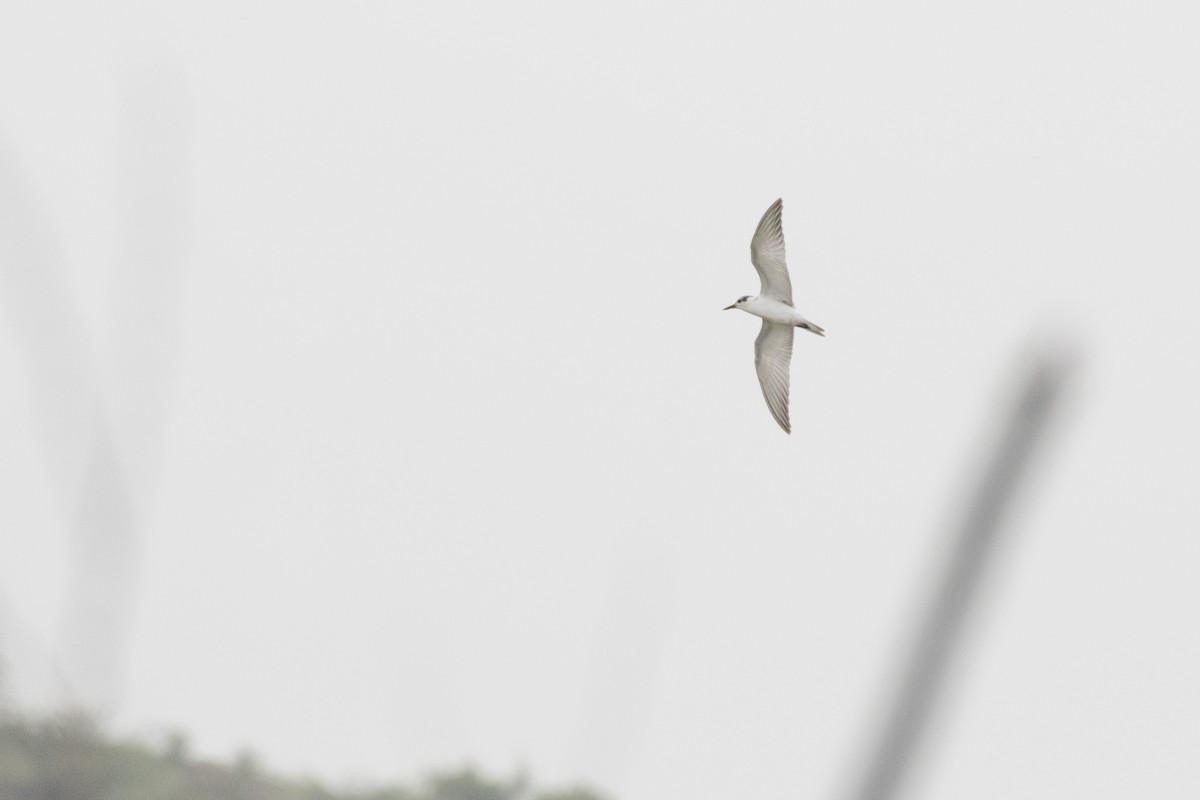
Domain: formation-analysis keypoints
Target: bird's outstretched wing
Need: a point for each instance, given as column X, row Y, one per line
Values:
column 769, row 256
column 773, row 361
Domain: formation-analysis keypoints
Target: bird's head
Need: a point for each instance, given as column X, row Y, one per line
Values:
column 741, row 301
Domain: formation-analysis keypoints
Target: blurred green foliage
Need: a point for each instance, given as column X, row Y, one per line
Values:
column 68, row 757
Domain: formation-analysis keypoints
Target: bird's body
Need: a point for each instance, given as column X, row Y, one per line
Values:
column 773, row 310
column 773, row 347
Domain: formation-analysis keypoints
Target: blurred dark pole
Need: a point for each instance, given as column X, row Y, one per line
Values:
column 41, row 315
column 630, row 638
column 939, row 633
column 125, row 442
column 101, row 411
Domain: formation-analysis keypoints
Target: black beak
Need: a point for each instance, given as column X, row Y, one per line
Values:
column 726, row 308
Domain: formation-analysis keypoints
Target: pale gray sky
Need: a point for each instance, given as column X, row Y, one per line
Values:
column 371, row 304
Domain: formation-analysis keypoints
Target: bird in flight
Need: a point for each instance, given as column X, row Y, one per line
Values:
column 773, row 347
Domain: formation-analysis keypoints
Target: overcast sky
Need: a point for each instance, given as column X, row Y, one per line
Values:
column 384, row 343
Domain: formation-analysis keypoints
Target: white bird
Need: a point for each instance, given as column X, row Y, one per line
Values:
column 773, row 347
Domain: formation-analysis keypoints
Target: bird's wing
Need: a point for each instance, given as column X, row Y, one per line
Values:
column 770, row 259
column 773, row 361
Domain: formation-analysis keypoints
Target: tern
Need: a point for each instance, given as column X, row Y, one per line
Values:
column 773, row 347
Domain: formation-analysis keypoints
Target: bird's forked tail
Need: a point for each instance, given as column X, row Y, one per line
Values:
column 812, row 326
